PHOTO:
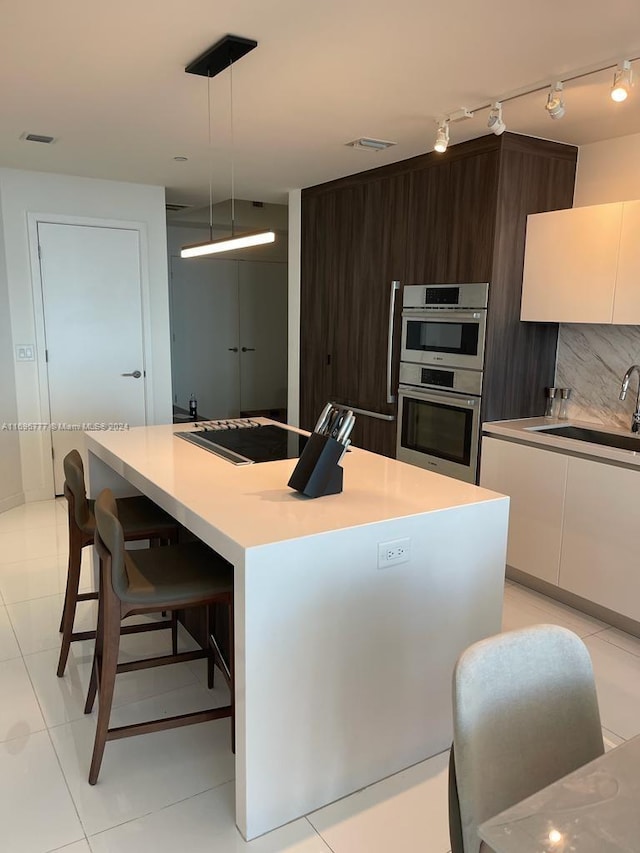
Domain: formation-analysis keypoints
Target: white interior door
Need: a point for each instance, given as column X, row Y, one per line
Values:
column 263, row 335
column 204, row 335
column 91, row 291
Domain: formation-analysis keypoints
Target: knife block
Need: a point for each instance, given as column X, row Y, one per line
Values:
column 317, row 472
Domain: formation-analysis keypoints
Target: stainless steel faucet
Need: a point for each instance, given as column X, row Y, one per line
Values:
column 635, row 422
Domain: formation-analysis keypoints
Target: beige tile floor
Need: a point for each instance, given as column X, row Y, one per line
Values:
column 173, row 790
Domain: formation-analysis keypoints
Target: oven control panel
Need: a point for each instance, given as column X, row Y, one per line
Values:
column 426, row 296
column 447, row 378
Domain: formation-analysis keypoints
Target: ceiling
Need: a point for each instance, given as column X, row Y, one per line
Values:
column 107, row 80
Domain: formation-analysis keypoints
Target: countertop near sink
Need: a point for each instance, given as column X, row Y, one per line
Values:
column 527, row 431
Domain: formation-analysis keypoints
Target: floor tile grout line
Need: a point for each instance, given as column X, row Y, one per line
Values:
column 69, row 845
column 161, row 809
column 57, row 757
column 55, row 752
column 319, row 834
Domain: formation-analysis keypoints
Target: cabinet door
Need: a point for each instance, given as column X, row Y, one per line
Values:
column 570, row 264
column 535, row 481
column 473, row 184
column 429, row 225
column 353, row 247
column 321, row 275
column 626, row 306
column 600, row 550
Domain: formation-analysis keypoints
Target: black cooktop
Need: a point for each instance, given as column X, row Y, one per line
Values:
column 248, row 444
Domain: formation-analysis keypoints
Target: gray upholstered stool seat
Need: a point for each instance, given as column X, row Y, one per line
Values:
column 525, row 713
column 141, row 519
column 138, row 582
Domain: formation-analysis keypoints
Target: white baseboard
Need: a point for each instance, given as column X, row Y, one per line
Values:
column 11, row 501
column 39, row 495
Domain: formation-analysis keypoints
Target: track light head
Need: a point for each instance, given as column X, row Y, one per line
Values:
column 622, row 82
column 495, row 122
column 555, row 102
column 442, row 137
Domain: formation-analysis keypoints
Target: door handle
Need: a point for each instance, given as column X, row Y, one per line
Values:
column 248, row 349
column 233, row 349
column 395, row 286
column 136, row 374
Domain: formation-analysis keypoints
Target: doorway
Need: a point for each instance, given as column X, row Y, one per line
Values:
column 91, row 288
column 229, row 336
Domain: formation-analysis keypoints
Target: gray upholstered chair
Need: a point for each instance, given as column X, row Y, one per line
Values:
column 176, row 577
column 140, row 518
column 525, row 713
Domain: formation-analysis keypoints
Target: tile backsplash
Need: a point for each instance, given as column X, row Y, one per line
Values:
column 592, row 360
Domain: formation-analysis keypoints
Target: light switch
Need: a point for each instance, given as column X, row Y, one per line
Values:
column 25, row 352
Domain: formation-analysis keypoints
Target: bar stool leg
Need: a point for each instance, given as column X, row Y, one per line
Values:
column 211, row 659
column 97, row 658
column 174, row 632
column 70, row 600
column 107, row 676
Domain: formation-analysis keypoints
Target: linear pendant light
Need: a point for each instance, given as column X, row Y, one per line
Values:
column 227, row 244
column 218, row 58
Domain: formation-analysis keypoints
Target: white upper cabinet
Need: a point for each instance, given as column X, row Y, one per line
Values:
column 571, row 265
column 626, row 305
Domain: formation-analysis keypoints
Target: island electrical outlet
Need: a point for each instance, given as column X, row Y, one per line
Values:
column 393, row 553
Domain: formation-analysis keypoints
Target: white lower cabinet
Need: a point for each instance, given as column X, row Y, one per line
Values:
column 535, row 481
column 600, row 544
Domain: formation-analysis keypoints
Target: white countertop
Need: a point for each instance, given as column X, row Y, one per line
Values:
column 527, row 431
column 251, row 505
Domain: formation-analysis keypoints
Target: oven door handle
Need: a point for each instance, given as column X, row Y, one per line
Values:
column 463, row 400
column 395, row 287
column 444, row 315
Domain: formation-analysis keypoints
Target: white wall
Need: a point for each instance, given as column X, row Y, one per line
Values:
column 608, row 171
column 11, row 492
column 23, row 193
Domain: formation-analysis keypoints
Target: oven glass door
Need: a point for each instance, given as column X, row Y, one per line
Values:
column 454, row 338
column 439, row 431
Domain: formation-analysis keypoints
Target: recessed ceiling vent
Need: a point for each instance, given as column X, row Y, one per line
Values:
column 175, row 208
column 38, row 137
column 367, row 144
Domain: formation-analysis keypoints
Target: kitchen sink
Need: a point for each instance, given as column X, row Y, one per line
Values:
column 595, row 436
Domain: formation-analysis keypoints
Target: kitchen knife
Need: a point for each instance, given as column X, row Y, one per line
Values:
column 346, row 427
column 332, row 422
column 323, row 420
column 337, row 424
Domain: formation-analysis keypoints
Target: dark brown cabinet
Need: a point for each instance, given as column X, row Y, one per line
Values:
column 452, row 218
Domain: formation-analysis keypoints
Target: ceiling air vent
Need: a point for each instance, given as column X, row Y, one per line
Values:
column 366, row 144
column 38, row 137
column 174, row 208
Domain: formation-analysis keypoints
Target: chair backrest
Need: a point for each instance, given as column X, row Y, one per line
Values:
column 74, row 482
column 525, row 713
column 109, row 535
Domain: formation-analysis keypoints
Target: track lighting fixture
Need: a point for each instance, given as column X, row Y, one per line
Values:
column 442, row 137
column 495, row 122
column 622, row 82
column 555, row 102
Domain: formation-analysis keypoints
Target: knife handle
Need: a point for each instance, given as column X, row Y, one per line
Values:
column 322, row 421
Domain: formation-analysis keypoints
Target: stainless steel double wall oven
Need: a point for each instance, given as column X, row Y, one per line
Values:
column 442, row 357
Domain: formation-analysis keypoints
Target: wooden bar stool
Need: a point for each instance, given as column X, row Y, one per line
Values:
column 134, row 582
column 140, row 518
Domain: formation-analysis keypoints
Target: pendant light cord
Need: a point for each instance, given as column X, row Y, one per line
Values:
column 233, row 169
column 210, row 157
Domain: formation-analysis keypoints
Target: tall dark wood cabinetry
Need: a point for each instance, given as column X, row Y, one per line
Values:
column 452, row 218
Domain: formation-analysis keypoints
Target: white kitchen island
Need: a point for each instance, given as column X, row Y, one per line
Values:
column 343, row 669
